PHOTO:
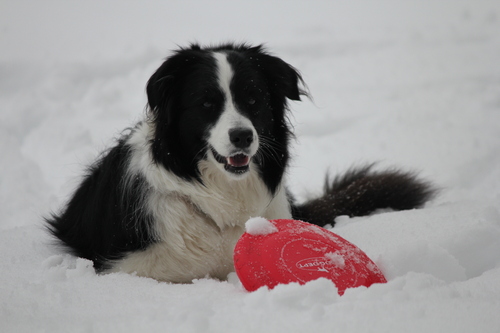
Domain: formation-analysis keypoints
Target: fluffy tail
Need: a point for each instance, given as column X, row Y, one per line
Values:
column 361, row 191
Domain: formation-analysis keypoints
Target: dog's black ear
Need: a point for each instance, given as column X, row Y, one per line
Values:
column 165, row 84
column 164, row 90
column 285, row 78
column 282, row 78
column 159, row 90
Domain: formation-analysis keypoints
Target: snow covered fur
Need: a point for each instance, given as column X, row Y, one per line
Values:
column 171, row 198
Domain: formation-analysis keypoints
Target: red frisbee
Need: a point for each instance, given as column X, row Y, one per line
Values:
column 285, row 251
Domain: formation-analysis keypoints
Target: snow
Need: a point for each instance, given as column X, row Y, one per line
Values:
column 257, row 226
column 408, row 84
column 336, row 259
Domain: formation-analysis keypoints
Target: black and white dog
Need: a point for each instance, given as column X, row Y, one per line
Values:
column 170, row 199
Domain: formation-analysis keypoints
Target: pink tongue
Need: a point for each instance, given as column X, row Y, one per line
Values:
column 238, row 160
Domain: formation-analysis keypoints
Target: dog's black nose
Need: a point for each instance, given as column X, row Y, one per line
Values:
column 241, row 137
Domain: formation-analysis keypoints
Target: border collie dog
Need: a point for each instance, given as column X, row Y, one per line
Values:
column 170, row 199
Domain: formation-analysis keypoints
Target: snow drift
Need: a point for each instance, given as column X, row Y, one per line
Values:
column 414, row 85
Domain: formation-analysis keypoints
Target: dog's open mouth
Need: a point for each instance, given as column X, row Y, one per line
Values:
column 238, row 163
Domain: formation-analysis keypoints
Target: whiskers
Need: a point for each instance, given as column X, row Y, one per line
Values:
column 201, row 154
column 271, row 149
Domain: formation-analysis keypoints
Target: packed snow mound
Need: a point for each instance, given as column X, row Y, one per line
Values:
column 336, row 259
column 260, row 226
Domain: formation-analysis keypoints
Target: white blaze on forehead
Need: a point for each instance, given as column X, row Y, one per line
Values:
column 230, row 117
column 225, row 74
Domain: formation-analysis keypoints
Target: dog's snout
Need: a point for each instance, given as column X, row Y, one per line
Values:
column 241, row 137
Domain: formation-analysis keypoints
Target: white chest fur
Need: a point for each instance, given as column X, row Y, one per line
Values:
column 197, row 225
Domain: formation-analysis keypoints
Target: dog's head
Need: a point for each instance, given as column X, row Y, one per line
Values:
column 226, row 104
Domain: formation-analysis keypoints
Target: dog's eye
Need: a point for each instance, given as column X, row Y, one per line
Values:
column 251, row 101
column 208, row 105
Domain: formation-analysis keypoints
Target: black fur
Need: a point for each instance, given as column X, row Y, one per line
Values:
column 360, row 191
column 105, row 217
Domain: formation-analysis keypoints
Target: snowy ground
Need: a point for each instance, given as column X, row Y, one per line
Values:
column 411, row 84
